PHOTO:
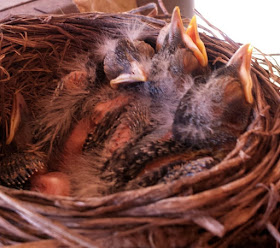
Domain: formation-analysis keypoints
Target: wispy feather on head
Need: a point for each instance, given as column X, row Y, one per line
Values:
column 104, row 46
column 132, row 31
column 135, row 30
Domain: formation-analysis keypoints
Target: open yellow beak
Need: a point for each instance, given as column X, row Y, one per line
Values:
column 136, row 74
column 198, row 48
column 178, row 34
column 242, row 59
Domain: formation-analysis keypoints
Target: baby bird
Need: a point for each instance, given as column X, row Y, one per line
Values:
column 217, row 112
column 126, row 59
column 209, row 118
column 183, row 46
column 177, row 58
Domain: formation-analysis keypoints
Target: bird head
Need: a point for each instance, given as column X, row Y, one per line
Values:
column 219, row 110
column 180, row 55
column 185, row 43
column 127, row 62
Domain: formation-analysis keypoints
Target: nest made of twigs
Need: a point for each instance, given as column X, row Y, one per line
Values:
column 234, row 202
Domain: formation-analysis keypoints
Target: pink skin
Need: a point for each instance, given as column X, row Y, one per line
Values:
column 52, row 183
column 75, row 80
column 75, row 141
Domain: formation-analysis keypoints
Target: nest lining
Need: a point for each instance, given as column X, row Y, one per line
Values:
column 182, row 213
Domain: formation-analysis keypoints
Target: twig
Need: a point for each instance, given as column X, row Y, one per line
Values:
column 163, row 8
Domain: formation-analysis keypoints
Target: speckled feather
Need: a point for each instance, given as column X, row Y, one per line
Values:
column 17, row 168
column 214, row 113
column 171, row 172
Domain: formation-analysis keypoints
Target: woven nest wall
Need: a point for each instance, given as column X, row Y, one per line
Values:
column 234, row 204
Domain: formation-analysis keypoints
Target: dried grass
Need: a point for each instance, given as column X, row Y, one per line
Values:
column 234, row 204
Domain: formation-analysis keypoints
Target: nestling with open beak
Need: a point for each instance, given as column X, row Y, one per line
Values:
column 177, row 58
column 217, row 112
column 209, row 120
column 185, row 45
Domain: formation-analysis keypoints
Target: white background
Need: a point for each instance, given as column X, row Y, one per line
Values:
column 246, row 21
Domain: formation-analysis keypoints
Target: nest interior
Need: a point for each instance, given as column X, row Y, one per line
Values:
column 233, row 204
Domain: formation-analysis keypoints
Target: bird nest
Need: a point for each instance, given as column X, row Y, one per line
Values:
column 233, row 204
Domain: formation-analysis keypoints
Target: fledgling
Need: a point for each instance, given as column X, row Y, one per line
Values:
column 126, row 59
column 217, row 112
column 209, row 118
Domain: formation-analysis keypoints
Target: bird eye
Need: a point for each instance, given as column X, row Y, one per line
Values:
column 233, row 93
column 144, row 49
